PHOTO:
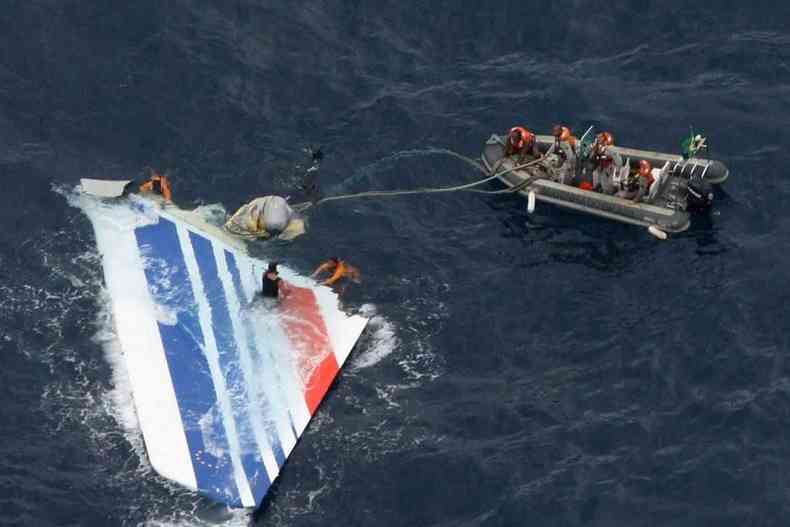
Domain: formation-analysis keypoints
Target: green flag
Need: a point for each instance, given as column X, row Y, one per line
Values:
column 693, row 144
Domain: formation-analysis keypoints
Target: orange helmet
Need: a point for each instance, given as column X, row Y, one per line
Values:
column 605, row 139
column 644, row 167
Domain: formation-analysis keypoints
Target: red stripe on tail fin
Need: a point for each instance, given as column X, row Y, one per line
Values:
column 307, row 332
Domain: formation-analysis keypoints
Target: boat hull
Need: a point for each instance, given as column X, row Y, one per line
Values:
column 573, row 198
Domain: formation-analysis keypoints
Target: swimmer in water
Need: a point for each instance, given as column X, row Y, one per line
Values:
column 339, row 270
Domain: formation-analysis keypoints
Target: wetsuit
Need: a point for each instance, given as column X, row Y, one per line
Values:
column 270, row 288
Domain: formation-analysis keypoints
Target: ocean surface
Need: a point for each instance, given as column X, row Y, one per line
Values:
column 549, row 369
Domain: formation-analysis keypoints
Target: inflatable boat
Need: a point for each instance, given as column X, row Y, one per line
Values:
column 681, row 186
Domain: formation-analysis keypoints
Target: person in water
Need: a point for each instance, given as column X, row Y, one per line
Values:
column 272, row 286
column 309, row 182
column 157, row 184
column 521, row 142
column 338, row 268
column 315, row 154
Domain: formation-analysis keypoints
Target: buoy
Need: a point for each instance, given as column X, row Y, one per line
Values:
column 658, row 233
column 531, row 202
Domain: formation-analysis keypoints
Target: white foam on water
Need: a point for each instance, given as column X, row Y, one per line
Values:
column 383, row 340
column 214, row 213
column 415, row 355
column 218, row 518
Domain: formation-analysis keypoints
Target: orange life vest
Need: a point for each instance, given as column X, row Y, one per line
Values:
column 523, row 138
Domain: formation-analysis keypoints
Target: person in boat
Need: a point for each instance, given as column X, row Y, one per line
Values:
column 266, row 217
column 564, row 141
column 645, row 180
column 157, row 184
column 634, row 186
column 272, row 286
column 606, row 164
column 564, row 148
column 591, row 161
column 338, row 268
column 521, row 142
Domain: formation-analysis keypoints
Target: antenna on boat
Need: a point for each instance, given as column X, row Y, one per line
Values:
column 584, row 136
column 585, row 144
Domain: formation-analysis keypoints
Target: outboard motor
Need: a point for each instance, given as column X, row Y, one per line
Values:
column 700, row 195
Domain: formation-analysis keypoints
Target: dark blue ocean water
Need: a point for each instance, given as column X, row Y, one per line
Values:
column 550, row 369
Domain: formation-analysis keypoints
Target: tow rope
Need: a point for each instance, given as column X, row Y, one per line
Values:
column 468, row 187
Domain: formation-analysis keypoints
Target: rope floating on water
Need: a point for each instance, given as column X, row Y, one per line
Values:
column 468, row 187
